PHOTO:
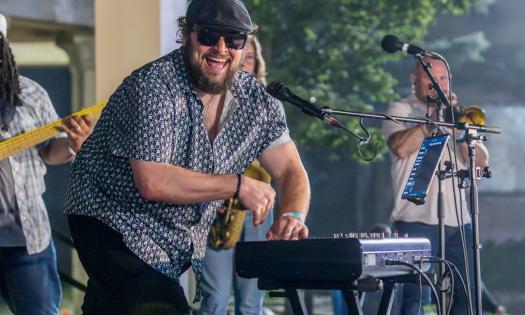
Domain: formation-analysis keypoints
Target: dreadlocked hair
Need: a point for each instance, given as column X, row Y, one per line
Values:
column 9, row 83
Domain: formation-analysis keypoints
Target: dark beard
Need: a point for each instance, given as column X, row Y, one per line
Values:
column 201, row 81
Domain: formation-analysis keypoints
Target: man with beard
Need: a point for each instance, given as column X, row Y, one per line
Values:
column 170, row 146
column 218, row 272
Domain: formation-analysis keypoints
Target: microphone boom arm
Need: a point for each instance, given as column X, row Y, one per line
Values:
column 435, row 85
column 400, row 120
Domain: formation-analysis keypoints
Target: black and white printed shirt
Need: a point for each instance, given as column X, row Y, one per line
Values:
column 155, row 115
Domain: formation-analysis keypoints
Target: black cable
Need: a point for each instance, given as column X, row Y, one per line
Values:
column 428, row 120
column 71, row 281
column 361, row 141
column 421, row 273
column 465, row 288
column 459, row 218
column 453, row 268
column 365, row 140
column 455, row 170
column 461, row 227
column 64, row 238
column 442, row 280
column 64, row 276
column 420, row 295
column 459, row 214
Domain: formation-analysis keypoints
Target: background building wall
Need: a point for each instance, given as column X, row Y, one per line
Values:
column 55, row 41
column 130, row 34
column 124, row 43
column 73, row 12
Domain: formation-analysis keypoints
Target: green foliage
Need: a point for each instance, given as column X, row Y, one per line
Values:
column 329, row 50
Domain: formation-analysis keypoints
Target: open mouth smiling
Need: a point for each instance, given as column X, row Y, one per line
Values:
column 217, row 64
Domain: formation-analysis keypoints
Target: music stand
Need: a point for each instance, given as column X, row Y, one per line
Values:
column 424, row 169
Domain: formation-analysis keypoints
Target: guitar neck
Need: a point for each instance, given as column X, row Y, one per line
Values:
column 33, row 137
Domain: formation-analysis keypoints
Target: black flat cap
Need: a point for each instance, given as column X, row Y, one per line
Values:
column 226, row 15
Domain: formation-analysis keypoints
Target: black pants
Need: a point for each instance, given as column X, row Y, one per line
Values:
column 120, row 282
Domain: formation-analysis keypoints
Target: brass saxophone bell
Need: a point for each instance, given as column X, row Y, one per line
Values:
column 228, row 225
column 473, row 115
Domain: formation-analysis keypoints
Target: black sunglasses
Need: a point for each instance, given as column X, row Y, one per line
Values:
column 210, row 37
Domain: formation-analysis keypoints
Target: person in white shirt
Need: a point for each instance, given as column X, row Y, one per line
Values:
column 404, row 141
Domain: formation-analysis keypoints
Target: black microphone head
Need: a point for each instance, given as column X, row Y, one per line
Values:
column 391, row 43
column 280, row 91
column 275, row 88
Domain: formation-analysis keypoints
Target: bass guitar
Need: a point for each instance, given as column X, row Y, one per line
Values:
column 13, row 145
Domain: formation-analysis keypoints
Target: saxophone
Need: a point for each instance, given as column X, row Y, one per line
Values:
column 227, row 227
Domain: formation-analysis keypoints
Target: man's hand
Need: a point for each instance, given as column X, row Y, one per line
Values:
column 59, row 150
column 258, row 197
column 287, row 228
column 432, row 108
column 78, row 128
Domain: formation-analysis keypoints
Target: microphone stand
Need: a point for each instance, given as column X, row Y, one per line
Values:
column 474, row 210
column 441, row 175
column 473, row 177
column 408, row 120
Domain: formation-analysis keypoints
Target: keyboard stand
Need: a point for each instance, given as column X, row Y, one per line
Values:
column 296, row 300
column 387, row 298
column 353, row 293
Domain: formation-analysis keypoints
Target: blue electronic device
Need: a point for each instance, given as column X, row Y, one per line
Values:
column 425, row 166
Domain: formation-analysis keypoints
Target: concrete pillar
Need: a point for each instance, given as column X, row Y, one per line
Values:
column 131, row 33
column 81, row 52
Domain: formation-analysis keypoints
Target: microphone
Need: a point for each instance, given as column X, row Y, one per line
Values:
column 391, row 44
column 282, row 92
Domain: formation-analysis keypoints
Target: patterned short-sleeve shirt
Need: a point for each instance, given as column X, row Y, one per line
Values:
column 28, row 168
column 156, row 115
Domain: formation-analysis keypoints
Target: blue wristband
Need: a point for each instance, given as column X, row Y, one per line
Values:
column 294, row 214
